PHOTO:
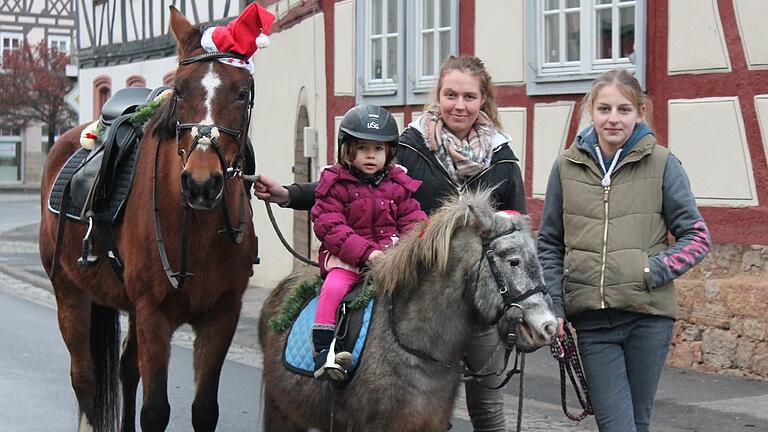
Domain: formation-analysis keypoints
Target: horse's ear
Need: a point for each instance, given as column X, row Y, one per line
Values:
column 181, row 28
column 483, row 219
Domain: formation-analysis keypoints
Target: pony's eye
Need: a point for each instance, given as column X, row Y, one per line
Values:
column 514, row 262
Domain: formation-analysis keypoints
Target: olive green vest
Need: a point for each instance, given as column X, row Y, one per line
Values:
column 611, row 232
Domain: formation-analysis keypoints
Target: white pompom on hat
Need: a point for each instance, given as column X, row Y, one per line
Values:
column 243, row 36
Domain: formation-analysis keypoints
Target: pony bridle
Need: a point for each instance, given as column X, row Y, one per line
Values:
column 209, row 134
column 510, row 300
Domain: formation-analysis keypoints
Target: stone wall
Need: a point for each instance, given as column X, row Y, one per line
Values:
column 723, row 325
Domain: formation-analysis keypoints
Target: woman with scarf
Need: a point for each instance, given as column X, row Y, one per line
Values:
column 458, row 144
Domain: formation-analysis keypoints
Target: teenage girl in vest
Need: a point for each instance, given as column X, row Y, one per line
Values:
column 458, row 144
column 362, row 204
column 611, row 201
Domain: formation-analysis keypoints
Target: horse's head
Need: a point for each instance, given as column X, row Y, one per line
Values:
column 509, row 286
column 208, row 115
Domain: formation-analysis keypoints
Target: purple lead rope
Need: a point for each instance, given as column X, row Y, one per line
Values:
column 567, row 356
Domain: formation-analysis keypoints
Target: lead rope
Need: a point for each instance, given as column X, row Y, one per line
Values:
column 520, row 394
column 567, row 355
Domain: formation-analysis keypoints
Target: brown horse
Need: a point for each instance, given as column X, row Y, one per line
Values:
column 465, row 269
column 189, row 145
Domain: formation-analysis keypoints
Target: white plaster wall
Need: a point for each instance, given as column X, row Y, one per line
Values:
column 499, row 39
column 696, row 41
column 152, row 71
column 514, row 121
column 751, row 16
column 279, row 79
column 344, row 48
column 706, row 133
column 550, row 130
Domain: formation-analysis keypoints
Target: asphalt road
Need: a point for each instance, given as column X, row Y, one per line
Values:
column 35, row 391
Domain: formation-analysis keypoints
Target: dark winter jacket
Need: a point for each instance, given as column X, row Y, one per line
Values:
column 503, row 173
column 353, row 218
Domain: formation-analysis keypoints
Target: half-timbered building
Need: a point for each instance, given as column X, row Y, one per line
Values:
column 33, row 21
column 703, row 63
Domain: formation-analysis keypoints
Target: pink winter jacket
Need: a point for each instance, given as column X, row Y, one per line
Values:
column 352, row 219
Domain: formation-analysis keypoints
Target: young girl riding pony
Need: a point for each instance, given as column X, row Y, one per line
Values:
column 363, row 203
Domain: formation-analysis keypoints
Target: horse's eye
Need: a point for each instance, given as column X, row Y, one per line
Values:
column 514, row 262
column 243, row 95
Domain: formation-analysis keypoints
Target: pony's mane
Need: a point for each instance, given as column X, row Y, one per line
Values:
column 428, row 245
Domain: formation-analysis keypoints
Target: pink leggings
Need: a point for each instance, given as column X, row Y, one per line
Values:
column 337, row 284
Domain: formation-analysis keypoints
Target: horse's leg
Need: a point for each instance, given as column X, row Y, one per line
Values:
column 129, row 376
column 214, row 332
column 73, row 309
column 153, row 338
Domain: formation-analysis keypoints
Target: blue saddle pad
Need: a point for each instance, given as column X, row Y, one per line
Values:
column 297, row 355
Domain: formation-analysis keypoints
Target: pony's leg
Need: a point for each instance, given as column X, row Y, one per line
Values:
column 73, row 311
column 214, row 332
column 153, row 337
column 129, row 376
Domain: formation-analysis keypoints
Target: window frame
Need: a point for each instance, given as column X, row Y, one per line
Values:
column 577, row 77
column 10, row 35
column 410, row 87
column 61, row 38
column 420, row 84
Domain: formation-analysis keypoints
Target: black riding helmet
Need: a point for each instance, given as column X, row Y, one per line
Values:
column 369, row 122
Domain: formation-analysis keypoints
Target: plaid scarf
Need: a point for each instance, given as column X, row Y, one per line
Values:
column 462, row 158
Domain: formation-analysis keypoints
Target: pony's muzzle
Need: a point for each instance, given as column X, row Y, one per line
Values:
column 202, row 194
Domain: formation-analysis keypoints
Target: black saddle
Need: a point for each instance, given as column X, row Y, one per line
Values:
column 100, row 179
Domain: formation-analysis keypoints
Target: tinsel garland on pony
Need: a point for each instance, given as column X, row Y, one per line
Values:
column 305, row 292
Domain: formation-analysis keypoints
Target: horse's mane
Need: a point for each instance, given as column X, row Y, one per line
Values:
column 428, row 245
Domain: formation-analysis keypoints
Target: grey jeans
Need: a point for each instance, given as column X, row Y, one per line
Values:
column 623, row 365
column 485, row 406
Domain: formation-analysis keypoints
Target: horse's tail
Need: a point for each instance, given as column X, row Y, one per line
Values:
column 105, row 350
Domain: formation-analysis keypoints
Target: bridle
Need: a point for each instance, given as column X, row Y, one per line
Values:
column 205, row 134
column 510, row 301
column 208, row 134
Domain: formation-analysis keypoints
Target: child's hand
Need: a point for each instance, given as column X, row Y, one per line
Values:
column 375, row 256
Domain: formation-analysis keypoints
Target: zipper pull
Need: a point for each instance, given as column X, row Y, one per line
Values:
column 606, row 189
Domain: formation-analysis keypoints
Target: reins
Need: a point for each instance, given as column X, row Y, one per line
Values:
column 567, row 356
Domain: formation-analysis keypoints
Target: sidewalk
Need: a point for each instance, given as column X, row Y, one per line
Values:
column 687, row 401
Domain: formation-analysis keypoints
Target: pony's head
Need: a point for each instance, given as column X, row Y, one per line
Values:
column 208, row 115
column 489, row 255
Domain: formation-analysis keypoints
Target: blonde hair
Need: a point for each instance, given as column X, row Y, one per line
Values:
column 475, row 67
column 628, row 86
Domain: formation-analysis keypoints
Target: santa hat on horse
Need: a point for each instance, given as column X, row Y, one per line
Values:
column 243, row 36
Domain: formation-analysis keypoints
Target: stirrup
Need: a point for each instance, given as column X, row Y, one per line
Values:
column 335, row 366
column 87, row 257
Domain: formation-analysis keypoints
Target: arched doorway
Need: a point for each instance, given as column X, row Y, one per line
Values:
column 302, row 173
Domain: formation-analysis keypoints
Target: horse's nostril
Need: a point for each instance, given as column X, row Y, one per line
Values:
column 550, row 329
column 217, row 182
